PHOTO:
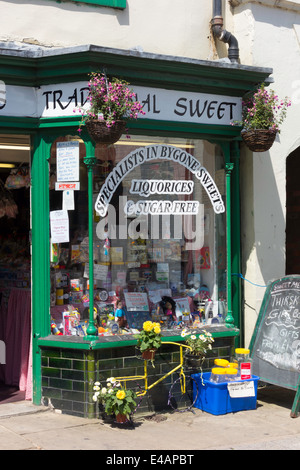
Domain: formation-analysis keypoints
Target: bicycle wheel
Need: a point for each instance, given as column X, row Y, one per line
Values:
column 183, row 400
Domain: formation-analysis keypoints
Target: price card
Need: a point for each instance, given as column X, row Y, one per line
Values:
column 241, row 389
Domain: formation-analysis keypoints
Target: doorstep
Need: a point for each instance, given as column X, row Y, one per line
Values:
column 20, row 408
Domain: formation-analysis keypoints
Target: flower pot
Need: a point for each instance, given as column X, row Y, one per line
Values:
column 149, row 354
column 121, row 418
column 102, row 134
column 194, row 361
column 259, row 140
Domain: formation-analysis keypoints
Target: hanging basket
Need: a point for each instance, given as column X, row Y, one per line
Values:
column 149, row 354
column 259, row 140
column 101, row 134
column 194, row 361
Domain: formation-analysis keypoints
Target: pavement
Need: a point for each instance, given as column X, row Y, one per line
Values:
column 24, row 426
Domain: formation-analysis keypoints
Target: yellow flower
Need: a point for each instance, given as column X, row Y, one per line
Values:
column 148, row 325
column 120, row 394
column 157, row 330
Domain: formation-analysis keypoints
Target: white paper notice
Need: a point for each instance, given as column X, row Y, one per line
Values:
column 136, row 301
column 154, row 296
column 68, row 200
column 241, row 389
column 59, row 226
column 67, row 161
column 100, row 271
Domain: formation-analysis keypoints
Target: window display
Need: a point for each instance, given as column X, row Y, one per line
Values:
column 159, row 226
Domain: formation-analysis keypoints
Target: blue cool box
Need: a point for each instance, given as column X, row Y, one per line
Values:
column 214, row 398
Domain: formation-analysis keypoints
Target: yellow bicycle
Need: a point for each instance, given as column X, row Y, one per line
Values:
column 184, row 389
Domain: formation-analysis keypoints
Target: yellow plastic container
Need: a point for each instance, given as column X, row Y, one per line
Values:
column 231, row 373
column 244, row 363
column 218, row 375
column 221, row 362
column 233, row 364
column 243, row 351
column 59, row 296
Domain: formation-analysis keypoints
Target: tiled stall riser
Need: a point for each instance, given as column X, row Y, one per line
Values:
column 68, row 375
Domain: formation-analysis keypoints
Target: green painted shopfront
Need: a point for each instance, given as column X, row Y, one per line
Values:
column 154, row 216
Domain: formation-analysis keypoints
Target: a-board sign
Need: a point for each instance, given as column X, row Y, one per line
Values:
column 275, row 344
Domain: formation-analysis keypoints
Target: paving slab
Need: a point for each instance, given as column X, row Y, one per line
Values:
column 268, row 427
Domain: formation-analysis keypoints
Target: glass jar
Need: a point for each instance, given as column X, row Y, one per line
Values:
column 218, row 375
column 242, row 358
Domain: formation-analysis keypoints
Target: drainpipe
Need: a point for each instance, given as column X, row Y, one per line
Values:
column 222, row 34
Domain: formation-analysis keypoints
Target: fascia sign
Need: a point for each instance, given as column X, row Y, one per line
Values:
column 159, row 104
column 147, row 187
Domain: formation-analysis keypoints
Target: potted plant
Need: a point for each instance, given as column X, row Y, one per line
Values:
column 198, row 345
column 112, row 103
column 149, row 339
column 117, row 401
column 262, row 113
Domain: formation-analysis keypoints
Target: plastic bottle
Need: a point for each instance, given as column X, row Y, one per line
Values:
column 231, row 373
column 59, row 296
column 218, row 375
column 233, row 364
column 244, row 363
column 221, row 362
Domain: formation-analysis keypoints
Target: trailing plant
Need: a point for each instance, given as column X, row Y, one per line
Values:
column 198, row 344
column 110, row 101
column 263, row 110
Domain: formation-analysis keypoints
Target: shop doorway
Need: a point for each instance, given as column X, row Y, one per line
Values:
column 15, row 269
column 293, row 213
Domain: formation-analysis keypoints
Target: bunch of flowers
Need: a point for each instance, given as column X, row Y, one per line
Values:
column 110, row 100
column 198, row 344
column 115, row 399
column 149, row 337
column 263, row 110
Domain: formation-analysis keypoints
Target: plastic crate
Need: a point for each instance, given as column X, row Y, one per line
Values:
column 214, row 398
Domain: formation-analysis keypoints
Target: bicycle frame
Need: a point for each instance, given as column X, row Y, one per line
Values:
column 145, row 376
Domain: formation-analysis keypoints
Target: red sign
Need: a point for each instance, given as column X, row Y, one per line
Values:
column 67, row 186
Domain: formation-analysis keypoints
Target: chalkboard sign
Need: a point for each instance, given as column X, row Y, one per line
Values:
column 275, row 344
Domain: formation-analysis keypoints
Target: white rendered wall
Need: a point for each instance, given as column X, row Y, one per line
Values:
column 268, row 37
column 171, row 27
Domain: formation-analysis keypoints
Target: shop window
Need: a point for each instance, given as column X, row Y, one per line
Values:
column 159, row 233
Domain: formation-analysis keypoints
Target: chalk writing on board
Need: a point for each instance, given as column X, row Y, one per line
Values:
column 280, row 341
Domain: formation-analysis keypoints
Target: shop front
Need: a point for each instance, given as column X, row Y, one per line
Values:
column 146, row 228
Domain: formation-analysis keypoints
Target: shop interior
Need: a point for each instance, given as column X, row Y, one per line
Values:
column 15, row 296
